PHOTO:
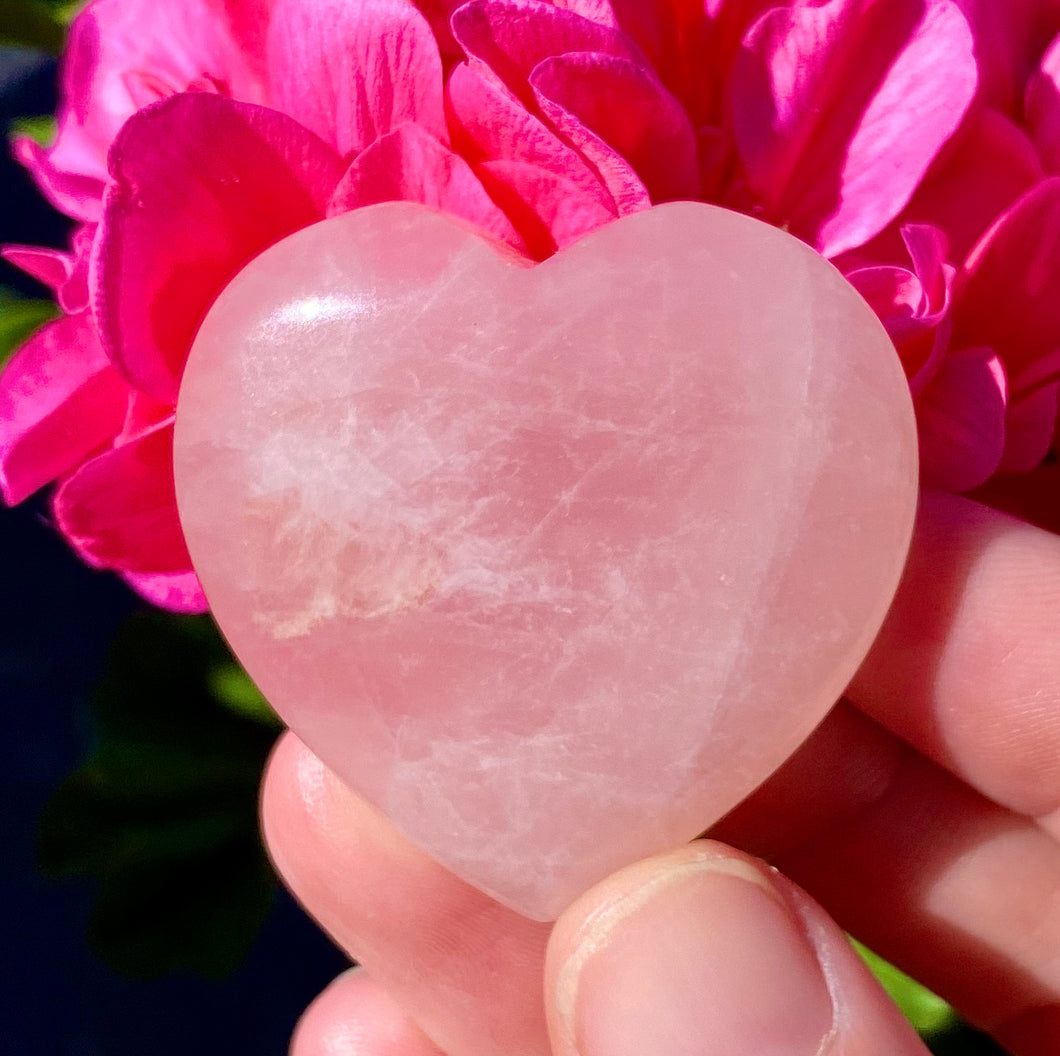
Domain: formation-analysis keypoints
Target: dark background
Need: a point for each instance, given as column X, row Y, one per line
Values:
column 57, row 622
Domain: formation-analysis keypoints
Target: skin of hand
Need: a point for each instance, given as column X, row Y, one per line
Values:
column 922, row 816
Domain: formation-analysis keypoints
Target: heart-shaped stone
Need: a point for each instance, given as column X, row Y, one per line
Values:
column 554, row 564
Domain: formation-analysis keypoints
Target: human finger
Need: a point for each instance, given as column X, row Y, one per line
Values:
column 354, row 1016
column 958, row 891
column 966, row 667
column 465, row 969
column 706, row 950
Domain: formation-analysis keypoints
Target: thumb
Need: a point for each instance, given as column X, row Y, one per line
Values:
column 707, row 951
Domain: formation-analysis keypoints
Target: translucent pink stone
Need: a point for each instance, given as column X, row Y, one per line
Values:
column 554, row 564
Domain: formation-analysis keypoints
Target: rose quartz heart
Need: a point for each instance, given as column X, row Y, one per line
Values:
column 553, row 564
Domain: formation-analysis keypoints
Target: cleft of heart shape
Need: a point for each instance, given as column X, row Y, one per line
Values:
column 554, row 564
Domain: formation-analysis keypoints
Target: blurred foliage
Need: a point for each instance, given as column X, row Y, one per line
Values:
column 935, row 1020
column 928, row 1013
column 36, row 23
column 19, row 317
column 41, row 128
column 164, row 812
column 232, row 687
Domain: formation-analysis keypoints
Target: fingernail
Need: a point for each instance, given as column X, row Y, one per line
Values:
column 705, row 960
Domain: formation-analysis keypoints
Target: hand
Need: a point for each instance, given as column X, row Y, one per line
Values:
column 923, row 815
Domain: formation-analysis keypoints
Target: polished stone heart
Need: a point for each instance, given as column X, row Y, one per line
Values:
column 554, row 564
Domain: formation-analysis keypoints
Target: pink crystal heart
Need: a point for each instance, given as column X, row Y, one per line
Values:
column 553, row 564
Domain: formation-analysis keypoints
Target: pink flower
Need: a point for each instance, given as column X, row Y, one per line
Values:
column 909, row 140
column 990, row 405
column 960, row 396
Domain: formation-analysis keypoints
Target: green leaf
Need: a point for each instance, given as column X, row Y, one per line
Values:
column 927, row 1012
column 63, row 11
column 32, row 24
column 232, row 686
column 19, row 317
column 164, row 812
column 42, row 129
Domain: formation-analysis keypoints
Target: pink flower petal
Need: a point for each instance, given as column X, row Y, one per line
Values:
column 201, row 184
column 913, row 305
column 839, row 109
column 596, row 11
column 1007, row 44
column 961, row 420
column 506, row 39
column 928, row 250
column 1029, row 428
column 728, row 22
column 76, row 195
column 52, row 267
column 894, row 293
column 492, row 125
column 674, row 37
column 600, row 11
column 409, row 164
column 979, row 174
column 622, row 119
column 715, row 159
column 119, row 510
column 246, row 26
column 549, row 210
column 60, row 399
column 143, row 415
column 175, row 591
column 354, row 70
column 625, row 188
column 1042, row 107
column 522, row 163
column 1008, row 293
column 113, row 45
column 65, row 273
column 73, row 294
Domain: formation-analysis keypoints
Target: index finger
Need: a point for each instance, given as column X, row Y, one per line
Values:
column 967, row 665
